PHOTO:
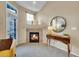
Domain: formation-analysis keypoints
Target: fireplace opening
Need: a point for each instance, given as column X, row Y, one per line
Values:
column 34, row 37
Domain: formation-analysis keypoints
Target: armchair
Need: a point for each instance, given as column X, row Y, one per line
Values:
column 5, row 48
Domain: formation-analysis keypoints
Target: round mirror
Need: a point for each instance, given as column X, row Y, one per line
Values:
column 58, row 23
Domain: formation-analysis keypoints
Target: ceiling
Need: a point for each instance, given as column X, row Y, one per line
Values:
column 32, row 5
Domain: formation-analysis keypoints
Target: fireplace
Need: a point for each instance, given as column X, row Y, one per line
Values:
column 34, row 37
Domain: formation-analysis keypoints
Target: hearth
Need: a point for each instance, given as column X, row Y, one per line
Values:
column 34, row 36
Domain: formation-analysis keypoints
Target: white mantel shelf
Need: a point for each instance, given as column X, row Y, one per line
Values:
column 35, row 26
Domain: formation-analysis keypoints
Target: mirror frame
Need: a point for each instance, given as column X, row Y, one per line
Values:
column 56, row 18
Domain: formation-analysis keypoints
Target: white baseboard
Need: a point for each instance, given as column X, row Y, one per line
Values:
column 74, row 50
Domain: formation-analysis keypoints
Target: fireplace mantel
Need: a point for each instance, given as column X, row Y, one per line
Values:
column 35, row 26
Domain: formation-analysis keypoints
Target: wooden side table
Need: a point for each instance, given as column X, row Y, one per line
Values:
column 63, row 39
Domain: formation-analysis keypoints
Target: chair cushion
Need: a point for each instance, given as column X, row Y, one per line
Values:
column 5, row 53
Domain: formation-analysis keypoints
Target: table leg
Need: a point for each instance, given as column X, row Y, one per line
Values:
column 49, row 42
column 68, row 50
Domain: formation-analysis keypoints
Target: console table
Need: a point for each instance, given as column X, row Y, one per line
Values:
column 63, row 39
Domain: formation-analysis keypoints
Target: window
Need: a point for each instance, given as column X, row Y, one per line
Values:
column 11, row 21
column 29, row 18
column 11, row 8
column 12, row 26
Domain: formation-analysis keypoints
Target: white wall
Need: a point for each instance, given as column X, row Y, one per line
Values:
column 2, row 21
column 70, row 11
column 21, row 26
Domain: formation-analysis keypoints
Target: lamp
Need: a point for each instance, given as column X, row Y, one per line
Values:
column 50, row 28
